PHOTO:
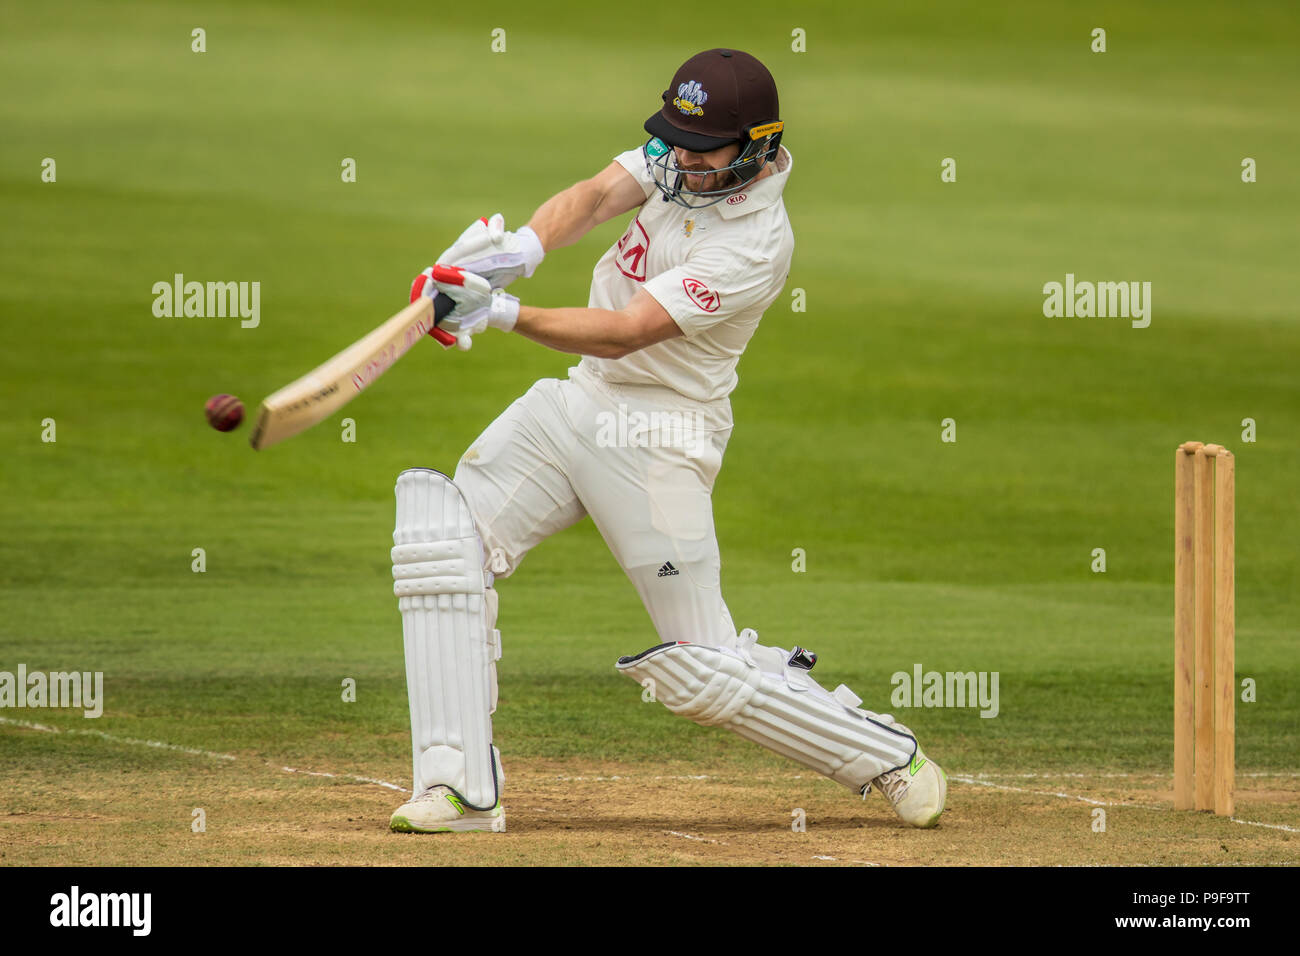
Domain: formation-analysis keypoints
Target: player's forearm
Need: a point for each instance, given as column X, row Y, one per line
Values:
column 602, row 333
column 567, row 216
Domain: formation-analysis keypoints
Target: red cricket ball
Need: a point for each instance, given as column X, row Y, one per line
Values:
column 224, row 412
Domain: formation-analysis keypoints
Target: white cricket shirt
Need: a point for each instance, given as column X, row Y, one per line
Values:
column 714, row 270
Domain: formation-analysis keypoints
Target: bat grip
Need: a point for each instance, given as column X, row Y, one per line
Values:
column 441, row 306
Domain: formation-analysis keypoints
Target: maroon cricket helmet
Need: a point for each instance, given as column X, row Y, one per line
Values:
column 715, row 98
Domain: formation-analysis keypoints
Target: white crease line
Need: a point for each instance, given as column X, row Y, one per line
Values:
column 346, row 776
column 156, row 744
column 687, row 836
column 1091, row 776
column 1048, row 775
column 1107, row 803
column 196, row 751
column 1271, row 826
column 581, row 779
column 1048, row 793
column 856, row 862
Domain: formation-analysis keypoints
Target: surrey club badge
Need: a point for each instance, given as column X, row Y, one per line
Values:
column 690, row 98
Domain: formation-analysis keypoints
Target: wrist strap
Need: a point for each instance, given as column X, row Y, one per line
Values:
column 531, row 247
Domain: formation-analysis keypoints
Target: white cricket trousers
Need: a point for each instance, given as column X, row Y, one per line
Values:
column 641, row 460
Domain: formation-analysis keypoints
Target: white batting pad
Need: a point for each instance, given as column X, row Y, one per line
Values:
column 448, row 629
column 787, row 712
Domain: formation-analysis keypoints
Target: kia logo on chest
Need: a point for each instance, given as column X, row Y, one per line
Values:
column 737, row 199
column 632, row 251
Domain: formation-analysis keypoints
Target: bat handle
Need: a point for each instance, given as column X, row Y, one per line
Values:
column 441, row 306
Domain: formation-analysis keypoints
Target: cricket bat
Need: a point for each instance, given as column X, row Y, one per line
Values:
column 327, row 388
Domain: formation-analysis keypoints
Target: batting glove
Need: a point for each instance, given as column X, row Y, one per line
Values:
column 500, row 257
column 478, row 305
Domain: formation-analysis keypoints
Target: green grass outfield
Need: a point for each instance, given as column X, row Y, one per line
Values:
column 924, row 303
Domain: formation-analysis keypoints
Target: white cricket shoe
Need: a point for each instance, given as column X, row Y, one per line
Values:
column 439, row 810
column 916, row 792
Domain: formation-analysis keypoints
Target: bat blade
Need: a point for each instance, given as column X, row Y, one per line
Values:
column 325, row 389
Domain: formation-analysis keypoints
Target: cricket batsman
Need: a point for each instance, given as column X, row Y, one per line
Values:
column 634, row 437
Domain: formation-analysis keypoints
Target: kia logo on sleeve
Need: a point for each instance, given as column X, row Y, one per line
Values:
column 702, row 295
